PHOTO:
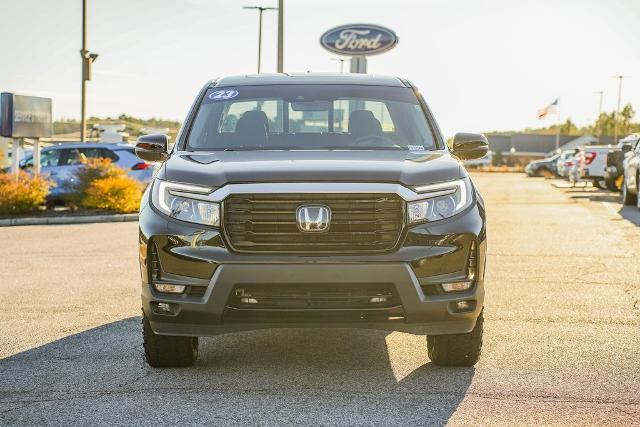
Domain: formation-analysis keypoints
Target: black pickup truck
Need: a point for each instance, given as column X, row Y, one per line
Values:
column 312, row 200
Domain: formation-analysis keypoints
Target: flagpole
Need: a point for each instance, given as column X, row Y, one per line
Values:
column 558, row 125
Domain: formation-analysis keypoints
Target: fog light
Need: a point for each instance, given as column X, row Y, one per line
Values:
column 456, row 286
column 169, row 289
column 377, row 299
column 163, row 306
column 464, row 306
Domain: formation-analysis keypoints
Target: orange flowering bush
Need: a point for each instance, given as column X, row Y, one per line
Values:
column 22, row 195
column 117, row 193
column 91, row 170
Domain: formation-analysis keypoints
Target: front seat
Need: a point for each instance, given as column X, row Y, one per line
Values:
column 362, row 123
column 252, row 129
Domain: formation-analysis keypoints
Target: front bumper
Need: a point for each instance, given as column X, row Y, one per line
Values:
column 428, row 254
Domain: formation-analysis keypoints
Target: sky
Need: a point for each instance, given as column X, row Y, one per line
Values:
column 481, row 64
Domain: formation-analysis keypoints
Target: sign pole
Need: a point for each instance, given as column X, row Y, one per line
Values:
column 83, row 54
column 36, row 156
column 15, row 166
column 358, row 64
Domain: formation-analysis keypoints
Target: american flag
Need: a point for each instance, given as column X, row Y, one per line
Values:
column 548, row 109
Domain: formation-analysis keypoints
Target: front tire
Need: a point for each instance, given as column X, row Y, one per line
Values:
column 628, row 198
column 163, row 351
column 457, row 349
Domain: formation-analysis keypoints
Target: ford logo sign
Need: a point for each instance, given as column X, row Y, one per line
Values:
column 359, row 39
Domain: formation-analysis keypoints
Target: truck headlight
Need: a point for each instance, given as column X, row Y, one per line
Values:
column 185, row 202
column 441, row 201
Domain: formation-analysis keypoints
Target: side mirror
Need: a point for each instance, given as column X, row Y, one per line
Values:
column 152, row 148
column 469, row 146
column 626, row 148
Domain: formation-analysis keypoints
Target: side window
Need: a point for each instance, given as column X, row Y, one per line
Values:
column 272, row 109
column 74, row 157
column 48, row 158
column 101, row 153
column 343, row 108
column 108, row 154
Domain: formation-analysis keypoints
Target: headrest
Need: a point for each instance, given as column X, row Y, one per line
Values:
column 363, row 123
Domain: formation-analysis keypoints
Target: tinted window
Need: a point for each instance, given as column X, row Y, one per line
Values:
column 310, row 117
column 48, row 158
column 78, row 156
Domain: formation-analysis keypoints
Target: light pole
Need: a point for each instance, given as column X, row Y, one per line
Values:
column 615, row 119
column 341, row 63
column 599, row 112
column 88, row 59
column 280, row 36
column 260, row 10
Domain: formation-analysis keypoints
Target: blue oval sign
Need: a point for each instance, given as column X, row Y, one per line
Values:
column 359, row 39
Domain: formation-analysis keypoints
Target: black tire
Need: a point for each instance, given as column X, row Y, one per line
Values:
column 611, row 185
column 163, row 351
column 627, row 198
column 600, row 183
column 456, row 349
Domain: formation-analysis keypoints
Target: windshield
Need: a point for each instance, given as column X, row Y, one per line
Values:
column 310, row 117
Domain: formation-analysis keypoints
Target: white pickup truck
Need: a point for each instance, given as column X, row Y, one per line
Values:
column 595, row 164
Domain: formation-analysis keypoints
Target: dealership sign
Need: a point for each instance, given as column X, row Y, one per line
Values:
column 25, row 116
column 359, row 39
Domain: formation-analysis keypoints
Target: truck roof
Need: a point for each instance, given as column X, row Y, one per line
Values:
column 309, row 79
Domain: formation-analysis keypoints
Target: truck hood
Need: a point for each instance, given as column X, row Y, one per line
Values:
column 224, row 167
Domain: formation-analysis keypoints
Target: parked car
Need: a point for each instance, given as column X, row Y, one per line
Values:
column 60, row 163
column 595, row 163
column 261, row 219
column 615, row 161
column 631, row 177
column 564, row 163
column 544, row 167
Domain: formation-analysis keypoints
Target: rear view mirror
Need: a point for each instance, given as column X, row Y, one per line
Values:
column 469, row 146
column 152, row 148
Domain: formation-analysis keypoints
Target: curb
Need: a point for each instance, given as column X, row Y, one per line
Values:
column 68, row 220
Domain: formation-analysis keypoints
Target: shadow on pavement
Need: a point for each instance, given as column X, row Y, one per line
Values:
column 267, row 377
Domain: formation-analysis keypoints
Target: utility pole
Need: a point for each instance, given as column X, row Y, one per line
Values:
column 280, row 36
column 260, row 10
column 599, row 114
column 88, row 59
column 615, row 119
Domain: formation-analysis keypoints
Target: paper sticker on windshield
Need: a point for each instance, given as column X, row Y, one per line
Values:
column 415, row 147
column 223, row 95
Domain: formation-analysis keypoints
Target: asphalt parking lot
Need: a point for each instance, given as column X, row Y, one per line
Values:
column 562, row 334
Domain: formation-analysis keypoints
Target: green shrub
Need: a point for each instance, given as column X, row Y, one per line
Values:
column 22, row 195
column 114, row 193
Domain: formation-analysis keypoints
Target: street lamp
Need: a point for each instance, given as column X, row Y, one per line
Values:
column 260, row 10
column 88, row 58
column 615, row 121
column 341, row 63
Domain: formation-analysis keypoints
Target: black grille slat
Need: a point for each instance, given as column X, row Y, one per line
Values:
column 359, row 223
column 312, row 296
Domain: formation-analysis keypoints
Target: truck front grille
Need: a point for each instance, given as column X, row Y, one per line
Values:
column 313, row 296
column 262, row 223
